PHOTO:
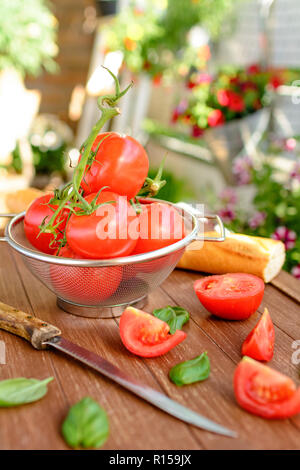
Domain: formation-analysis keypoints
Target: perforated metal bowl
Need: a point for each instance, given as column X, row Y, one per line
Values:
column 102, row 288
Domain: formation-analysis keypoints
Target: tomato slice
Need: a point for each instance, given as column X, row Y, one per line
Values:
column 260, row 342
column 264, row 391
column 231, row 296
column 145, row 335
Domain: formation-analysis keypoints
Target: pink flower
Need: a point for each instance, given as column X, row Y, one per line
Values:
column 257, row 219
column 197, row 131
column 295, row 173
column 228, row 196
column 296, row 271
column 290, row 144
column 288, row 237
column 241, row 169
column 227, row 214
column 200, row 79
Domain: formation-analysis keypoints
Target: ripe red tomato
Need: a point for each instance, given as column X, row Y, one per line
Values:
column 160, row 225
column 231, row 296
column 106, row 232
column 35, row 214
column 82, row 285
column 264, row 391
column 145, row 335
column 260, row 342
column 121, row 163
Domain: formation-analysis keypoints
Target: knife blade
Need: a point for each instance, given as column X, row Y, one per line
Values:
column 42, row 334
column 149, row 394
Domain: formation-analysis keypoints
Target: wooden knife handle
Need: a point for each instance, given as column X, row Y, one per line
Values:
column 22, row 324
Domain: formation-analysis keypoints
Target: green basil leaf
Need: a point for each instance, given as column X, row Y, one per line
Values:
column 176, row 317
column 192, row 371
column 86, row 425
column 20, row 391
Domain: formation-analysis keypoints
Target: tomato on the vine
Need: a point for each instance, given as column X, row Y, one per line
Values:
column 160, row 225
column 264, row 391
column 145, row 335
column 84, row 285
column 40, row 211
column 121, row 163
column 106, row 233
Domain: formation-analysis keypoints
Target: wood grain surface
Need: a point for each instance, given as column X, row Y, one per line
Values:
column 133, row 423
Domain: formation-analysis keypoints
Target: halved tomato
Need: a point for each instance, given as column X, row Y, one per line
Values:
column 264, row 391
column 260, row 342
column 145, row 335
column 232, row 296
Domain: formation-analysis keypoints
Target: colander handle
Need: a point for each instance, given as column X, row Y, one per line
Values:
column 219, row 222
column 6, row 216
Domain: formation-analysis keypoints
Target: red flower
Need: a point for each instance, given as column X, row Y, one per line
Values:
column 157, row 79
column 215, row 118
column 236, row 102
column 223, row 97
column 276, row 82
column 253, row 69
column 197, row 131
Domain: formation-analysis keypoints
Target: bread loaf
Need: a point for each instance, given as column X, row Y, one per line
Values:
column 263, row 257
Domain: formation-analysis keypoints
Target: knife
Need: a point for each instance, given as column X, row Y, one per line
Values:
column 42, row 335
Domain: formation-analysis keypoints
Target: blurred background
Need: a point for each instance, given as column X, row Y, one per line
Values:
column 216, row 88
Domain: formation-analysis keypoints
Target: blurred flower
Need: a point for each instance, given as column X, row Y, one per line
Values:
column 288, row 237
column 223, row 97
column 296, row 271
column 179, row 110
column 204, row 53
column 227, row 214
column 236, row 102
column 276, row 81
column 257, row 219
column 241, row 169
column 228, row 196
column 290, row 144
column 197, row 131
column 253, row 69
column 129, row 44
column 199, row 79
column 295, row 173
column 215, row 118
column 157, row 79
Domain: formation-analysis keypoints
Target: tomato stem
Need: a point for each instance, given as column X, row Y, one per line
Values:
column 70, row 196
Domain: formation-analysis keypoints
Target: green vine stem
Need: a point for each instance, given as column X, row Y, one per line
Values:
column 70, row 195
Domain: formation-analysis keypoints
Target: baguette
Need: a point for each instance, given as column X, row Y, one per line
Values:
column 19, row 200
column 263, row 257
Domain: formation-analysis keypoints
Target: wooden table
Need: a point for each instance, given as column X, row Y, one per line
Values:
column 133, row 423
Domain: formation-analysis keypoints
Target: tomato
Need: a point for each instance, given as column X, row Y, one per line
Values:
column 145, row 335
column 121, row 163
column 232, row 296
column 106, row 232
column 264, row 391
column 160, row 225
column 259, row 344
column 84, row 285
column 35, row 214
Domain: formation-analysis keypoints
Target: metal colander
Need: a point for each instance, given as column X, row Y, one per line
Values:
column 102, row 288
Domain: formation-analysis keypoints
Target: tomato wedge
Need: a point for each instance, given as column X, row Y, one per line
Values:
column 231, row 296
column 145, row 335
column 260, row 342
column 264, row 391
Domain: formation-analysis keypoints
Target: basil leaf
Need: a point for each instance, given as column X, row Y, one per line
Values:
column 86, row 425
column 176, row 317
column 192, row 371
column 19, row 391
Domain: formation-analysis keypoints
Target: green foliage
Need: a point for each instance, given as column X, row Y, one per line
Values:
column 155, row 39
column 175, row 189
column 27, row 36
